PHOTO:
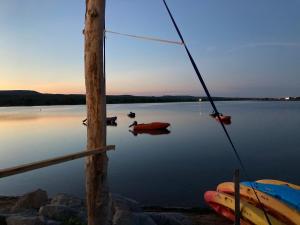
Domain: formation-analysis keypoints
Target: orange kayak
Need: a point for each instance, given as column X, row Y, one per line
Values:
column 151, row 126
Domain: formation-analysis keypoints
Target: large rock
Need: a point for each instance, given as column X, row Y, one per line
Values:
column 123, row 203
column 67, row 200
column 142, row 219
column 49, row 222
column 6, row 203
column 125, row 217
column 170, row 219
column 52, row 222
column 23, row 220
column 58, row 212
column 122, row 217
column 32, row 200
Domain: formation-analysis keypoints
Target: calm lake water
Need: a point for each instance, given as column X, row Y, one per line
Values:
column 171, row 169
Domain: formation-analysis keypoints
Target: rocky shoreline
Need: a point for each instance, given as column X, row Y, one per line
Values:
column 35, row 208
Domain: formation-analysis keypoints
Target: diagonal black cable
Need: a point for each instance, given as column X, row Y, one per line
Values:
column 214, row 107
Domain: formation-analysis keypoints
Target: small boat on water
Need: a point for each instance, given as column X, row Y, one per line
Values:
column 131, row 115
column 149, row 126
column 221, row 117
column 109, row 121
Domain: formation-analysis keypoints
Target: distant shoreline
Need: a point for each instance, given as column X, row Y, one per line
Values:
column 33, row 98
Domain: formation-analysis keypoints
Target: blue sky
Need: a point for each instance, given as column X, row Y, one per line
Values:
column 242, row 48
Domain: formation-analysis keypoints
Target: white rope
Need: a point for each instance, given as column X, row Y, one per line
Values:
column 146, row 38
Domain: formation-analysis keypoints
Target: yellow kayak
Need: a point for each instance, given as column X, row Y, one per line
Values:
column 279, row 182
column 273, row 206
column 248, row 211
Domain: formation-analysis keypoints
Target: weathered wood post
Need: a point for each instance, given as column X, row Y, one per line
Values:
column 97, row 191
column 237, row 196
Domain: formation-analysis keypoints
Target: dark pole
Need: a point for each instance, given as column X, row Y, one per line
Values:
column 237, row 196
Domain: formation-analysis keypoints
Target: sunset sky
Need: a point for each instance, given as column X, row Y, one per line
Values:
column 242, row 48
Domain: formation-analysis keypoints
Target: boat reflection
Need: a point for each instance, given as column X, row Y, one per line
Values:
column 112, row 124
column 150, row 132
column 110, row 121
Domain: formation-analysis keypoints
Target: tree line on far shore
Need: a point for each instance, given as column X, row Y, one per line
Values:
column 33, row 98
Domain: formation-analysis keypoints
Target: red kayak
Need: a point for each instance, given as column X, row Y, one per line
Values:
column 150, row 126
column 209, row 198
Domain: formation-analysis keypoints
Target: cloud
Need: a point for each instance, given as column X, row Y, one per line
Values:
column 265, row 44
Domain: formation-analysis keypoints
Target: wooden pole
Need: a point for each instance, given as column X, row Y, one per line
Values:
column 237, row 196
column 97, row 191
column 49, row 162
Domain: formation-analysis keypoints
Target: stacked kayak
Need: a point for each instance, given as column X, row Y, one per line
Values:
column 286, row 194
column 280, row 201
column 279, row 182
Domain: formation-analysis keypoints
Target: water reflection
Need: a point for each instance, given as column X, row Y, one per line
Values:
column 110, row 121
column 112, row 124
column 150, row 132
column 173, row 169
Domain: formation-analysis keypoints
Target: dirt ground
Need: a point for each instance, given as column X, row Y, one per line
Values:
column 198, row 216
column 208, row 219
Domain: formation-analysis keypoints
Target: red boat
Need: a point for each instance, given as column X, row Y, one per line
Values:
column 223, row 118
column 149, row 126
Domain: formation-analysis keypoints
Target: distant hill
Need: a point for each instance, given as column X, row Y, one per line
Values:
column 33, row 98
column 19, row 92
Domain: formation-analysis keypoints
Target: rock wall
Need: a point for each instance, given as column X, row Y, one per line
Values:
column 35, row 208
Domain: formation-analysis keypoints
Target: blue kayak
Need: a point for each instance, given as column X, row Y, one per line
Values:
column 284, row 193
